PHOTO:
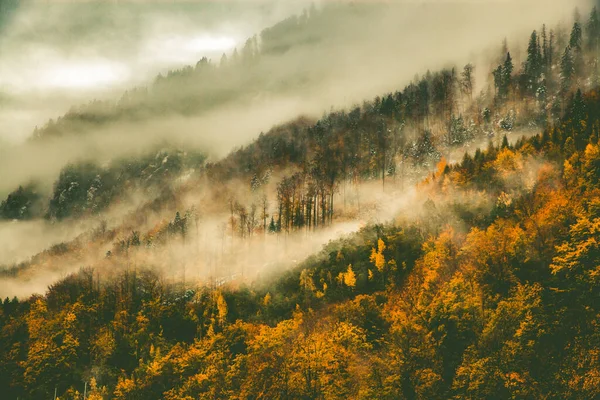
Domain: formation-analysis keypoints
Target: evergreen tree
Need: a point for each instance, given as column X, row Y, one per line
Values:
column 468, row 80
column 575, row 44
column 578, row 108
column 507, row 71
column 544, row 47
column 576, row 37
column 550, row 54
column 503, row 77
column 497, row 74
column 593, row 30
column 533, row 65
column 567, row 69
column 272, row 226
column 549, row 76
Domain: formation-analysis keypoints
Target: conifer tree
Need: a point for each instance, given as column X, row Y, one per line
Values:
column 575, row 44
column 533, row 65
column 567, row 69
column 507, row 71
column 593, row 30
column 503, row 77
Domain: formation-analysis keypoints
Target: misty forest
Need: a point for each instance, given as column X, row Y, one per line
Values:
column 300, row 200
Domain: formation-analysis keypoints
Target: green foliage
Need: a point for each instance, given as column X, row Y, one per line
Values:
column 490, row 291
column 24, row 203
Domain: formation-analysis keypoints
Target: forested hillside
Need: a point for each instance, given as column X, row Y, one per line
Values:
column 239, row 77
column 484, row 287
column 467, row 302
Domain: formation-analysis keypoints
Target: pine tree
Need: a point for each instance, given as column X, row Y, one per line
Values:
column 578, row 108
column 272, row 226
column 567, row 69
column 507, row 71
column 467, row 80
column 593, row 30
column 503, row 51
column 544, row 46
column 575, row 43
column 498, row 80
column 595, row 73
column 533, row 65
column 550, row 55
column 503, row 77
column 549, row 76
column 576, row 37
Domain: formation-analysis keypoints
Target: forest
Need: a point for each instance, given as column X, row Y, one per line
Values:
column 485, row 286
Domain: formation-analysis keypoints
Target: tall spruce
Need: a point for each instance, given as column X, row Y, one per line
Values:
column 567, row 70
column 593, row 30
column 533, row 65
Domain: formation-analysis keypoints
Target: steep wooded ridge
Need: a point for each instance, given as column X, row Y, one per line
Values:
column 486, row 288
column 239, row 78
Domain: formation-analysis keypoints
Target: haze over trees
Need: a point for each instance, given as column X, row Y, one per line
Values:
column 484, row 286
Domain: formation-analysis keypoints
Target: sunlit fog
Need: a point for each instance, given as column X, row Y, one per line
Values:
column 56, row 54
column 299, row 199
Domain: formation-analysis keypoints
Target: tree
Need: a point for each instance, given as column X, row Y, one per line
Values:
column 24, row 203
column 544, row 45
column 265, row 212
column 575, row 44
column 503, row 77
column 578, row 116
column 467, row 81
column 179, row 225
column 533, row 65
column 502, row 362
column 498, row 79
column 424, row 151
column 272, row 226
column 550, row 54
column 567, row 70
column 348, row 277
column 221, row 308
column 593, row 31
column 458, row 133
column 52, row 355
column 507, row 70
column 575, row 40
column 377, row 258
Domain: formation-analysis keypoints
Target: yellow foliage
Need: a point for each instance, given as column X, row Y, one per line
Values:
column 377, row 257
column 569, row 173
column 103, row 345
column 222, row 308
column 436, row 263
column 124, row 387
column 94, row 392
column 350, row 277
column 508, row 161
column 349, row 336
column 267, row 299
column 306, row 280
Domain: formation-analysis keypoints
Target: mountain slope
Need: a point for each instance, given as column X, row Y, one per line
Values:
column 484, row 286
column 430, row 307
